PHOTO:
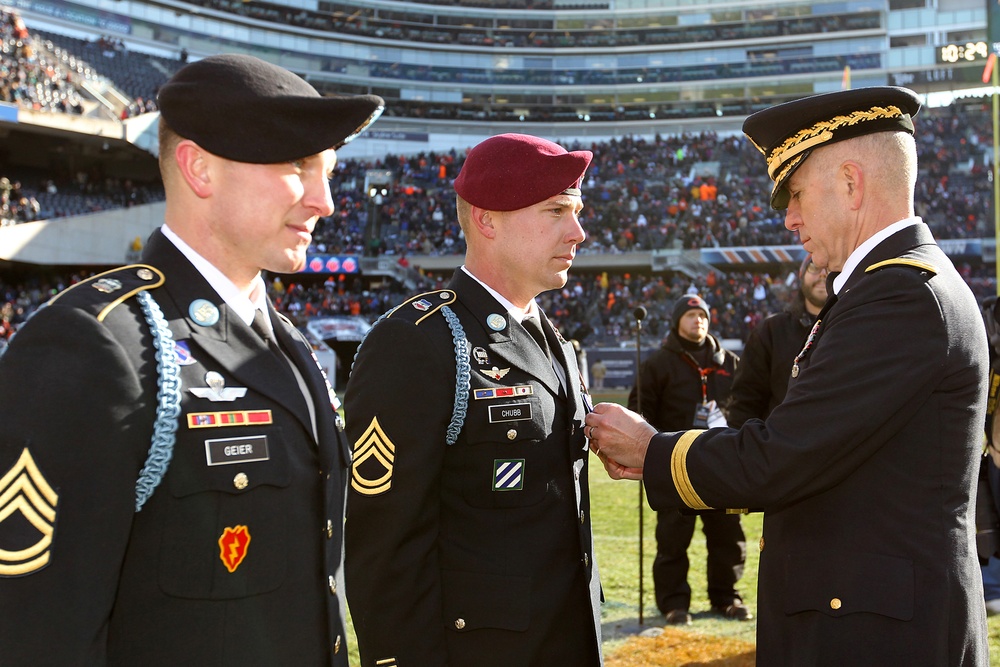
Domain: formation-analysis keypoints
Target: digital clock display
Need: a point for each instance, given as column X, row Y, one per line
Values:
column 967, row 52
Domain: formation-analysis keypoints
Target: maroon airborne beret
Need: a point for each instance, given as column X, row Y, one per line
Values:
column 509, row 172
column 246, row 109
column 787, row 133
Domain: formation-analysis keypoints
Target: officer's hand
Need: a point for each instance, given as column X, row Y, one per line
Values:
column 620, row 437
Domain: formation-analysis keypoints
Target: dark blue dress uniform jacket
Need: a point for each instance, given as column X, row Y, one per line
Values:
column 866, row 473
column 154, row 587
column 477, row 553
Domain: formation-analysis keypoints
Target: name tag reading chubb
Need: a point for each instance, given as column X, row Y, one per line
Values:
column 223, row 451
column 512, row 412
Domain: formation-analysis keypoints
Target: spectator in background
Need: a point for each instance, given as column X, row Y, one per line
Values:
column 766, row 362
column 682, row 385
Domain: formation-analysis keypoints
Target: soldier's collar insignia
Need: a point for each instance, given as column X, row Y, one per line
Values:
column 217, row 389
column 494, row 373
column 496, row 321
column 233, row 546
column 24, row 491
column 203, row 312
column 183, row 351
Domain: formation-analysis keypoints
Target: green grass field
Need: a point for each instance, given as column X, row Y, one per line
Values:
column 615, row 516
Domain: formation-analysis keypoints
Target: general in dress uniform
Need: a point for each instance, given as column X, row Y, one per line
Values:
column 172, row 479
column 866, row 471
column 468, row 531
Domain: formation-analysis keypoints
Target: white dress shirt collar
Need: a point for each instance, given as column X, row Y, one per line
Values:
column 862, row 250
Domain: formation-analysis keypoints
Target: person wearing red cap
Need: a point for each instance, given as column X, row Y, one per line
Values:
column 867, row 470
column 685, row 383
column 468, row 532
column 172, row 473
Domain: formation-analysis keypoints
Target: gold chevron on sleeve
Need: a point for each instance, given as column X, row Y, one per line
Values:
column 679, row 471
column 374, row 453
column 25, row 491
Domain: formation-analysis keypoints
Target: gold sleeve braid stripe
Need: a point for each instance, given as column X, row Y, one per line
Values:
column 901, row 261
column 821, row 133
column 679, row 472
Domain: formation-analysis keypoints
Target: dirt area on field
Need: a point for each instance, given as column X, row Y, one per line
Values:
column 680, row 648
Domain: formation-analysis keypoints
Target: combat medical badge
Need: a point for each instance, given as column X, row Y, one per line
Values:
column 27, row 517
column 374, row 453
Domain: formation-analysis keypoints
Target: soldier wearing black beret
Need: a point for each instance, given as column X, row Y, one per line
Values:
column 468, row 530
column 172, row 473
column 867, row 470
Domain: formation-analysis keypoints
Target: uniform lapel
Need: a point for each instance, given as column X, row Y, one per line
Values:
column 232, row 343
column 511, row 344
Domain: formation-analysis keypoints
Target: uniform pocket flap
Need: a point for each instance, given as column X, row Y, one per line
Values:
column 475, row 600
column 837, row 584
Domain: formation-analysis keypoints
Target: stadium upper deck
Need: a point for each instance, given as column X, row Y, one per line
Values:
column 621, row 60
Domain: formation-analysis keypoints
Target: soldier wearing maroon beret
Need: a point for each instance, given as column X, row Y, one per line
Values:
column 867, row 470
column 172, row 472
column 468, row 532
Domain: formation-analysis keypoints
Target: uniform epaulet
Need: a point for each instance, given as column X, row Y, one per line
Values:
column 423, row 305
column 99, row 294
column 902, row 261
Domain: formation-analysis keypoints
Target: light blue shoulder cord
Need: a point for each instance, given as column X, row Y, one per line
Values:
column 168, row 402
column 463, row 371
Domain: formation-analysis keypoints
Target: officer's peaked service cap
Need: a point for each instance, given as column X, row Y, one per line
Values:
column 787, row 133
column 248, row 110
column 509, row 172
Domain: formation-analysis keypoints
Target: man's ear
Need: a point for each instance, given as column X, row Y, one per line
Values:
column 193, row 165
column 854, row 181
column 482, row 222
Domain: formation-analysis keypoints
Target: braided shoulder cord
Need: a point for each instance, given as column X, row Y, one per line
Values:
column 168, row 402
column 463, row 370
column 462, row 374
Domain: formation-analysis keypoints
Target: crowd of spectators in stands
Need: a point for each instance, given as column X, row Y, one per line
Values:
column 685, row 191
column 30, row 77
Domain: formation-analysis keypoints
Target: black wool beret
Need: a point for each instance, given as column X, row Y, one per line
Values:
column 509, row 172
column 248, row 110
column 787, row 133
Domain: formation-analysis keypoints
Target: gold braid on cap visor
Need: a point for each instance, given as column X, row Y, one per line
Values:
column 820, row 133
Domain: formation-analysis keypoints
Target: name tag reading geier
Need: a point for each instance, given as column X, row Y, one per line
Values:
column 512, row 412
column 224, row 451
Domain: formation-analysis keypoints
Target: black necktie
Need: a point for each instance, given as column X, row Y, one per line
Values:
column 267, row 336
column 534, row 327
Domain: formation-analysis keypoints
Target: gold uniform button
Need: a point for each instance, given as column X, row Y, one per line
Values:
column 241, row 481
column 333, row 584
column 511, row 434
column 583, row 517
column 762, row 544
column 144, row 274
column 329, row 529
column 835, row 603
column 586, row 560
column 460, row 623
column 336, row 646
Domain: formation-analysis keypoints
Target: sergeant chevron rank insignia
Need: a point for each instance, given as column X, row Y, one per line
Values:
column 374, row 453
column 27, row 518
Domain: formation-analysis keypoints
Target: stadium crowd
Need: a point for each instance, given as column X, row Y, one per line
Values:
column 683, row 191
